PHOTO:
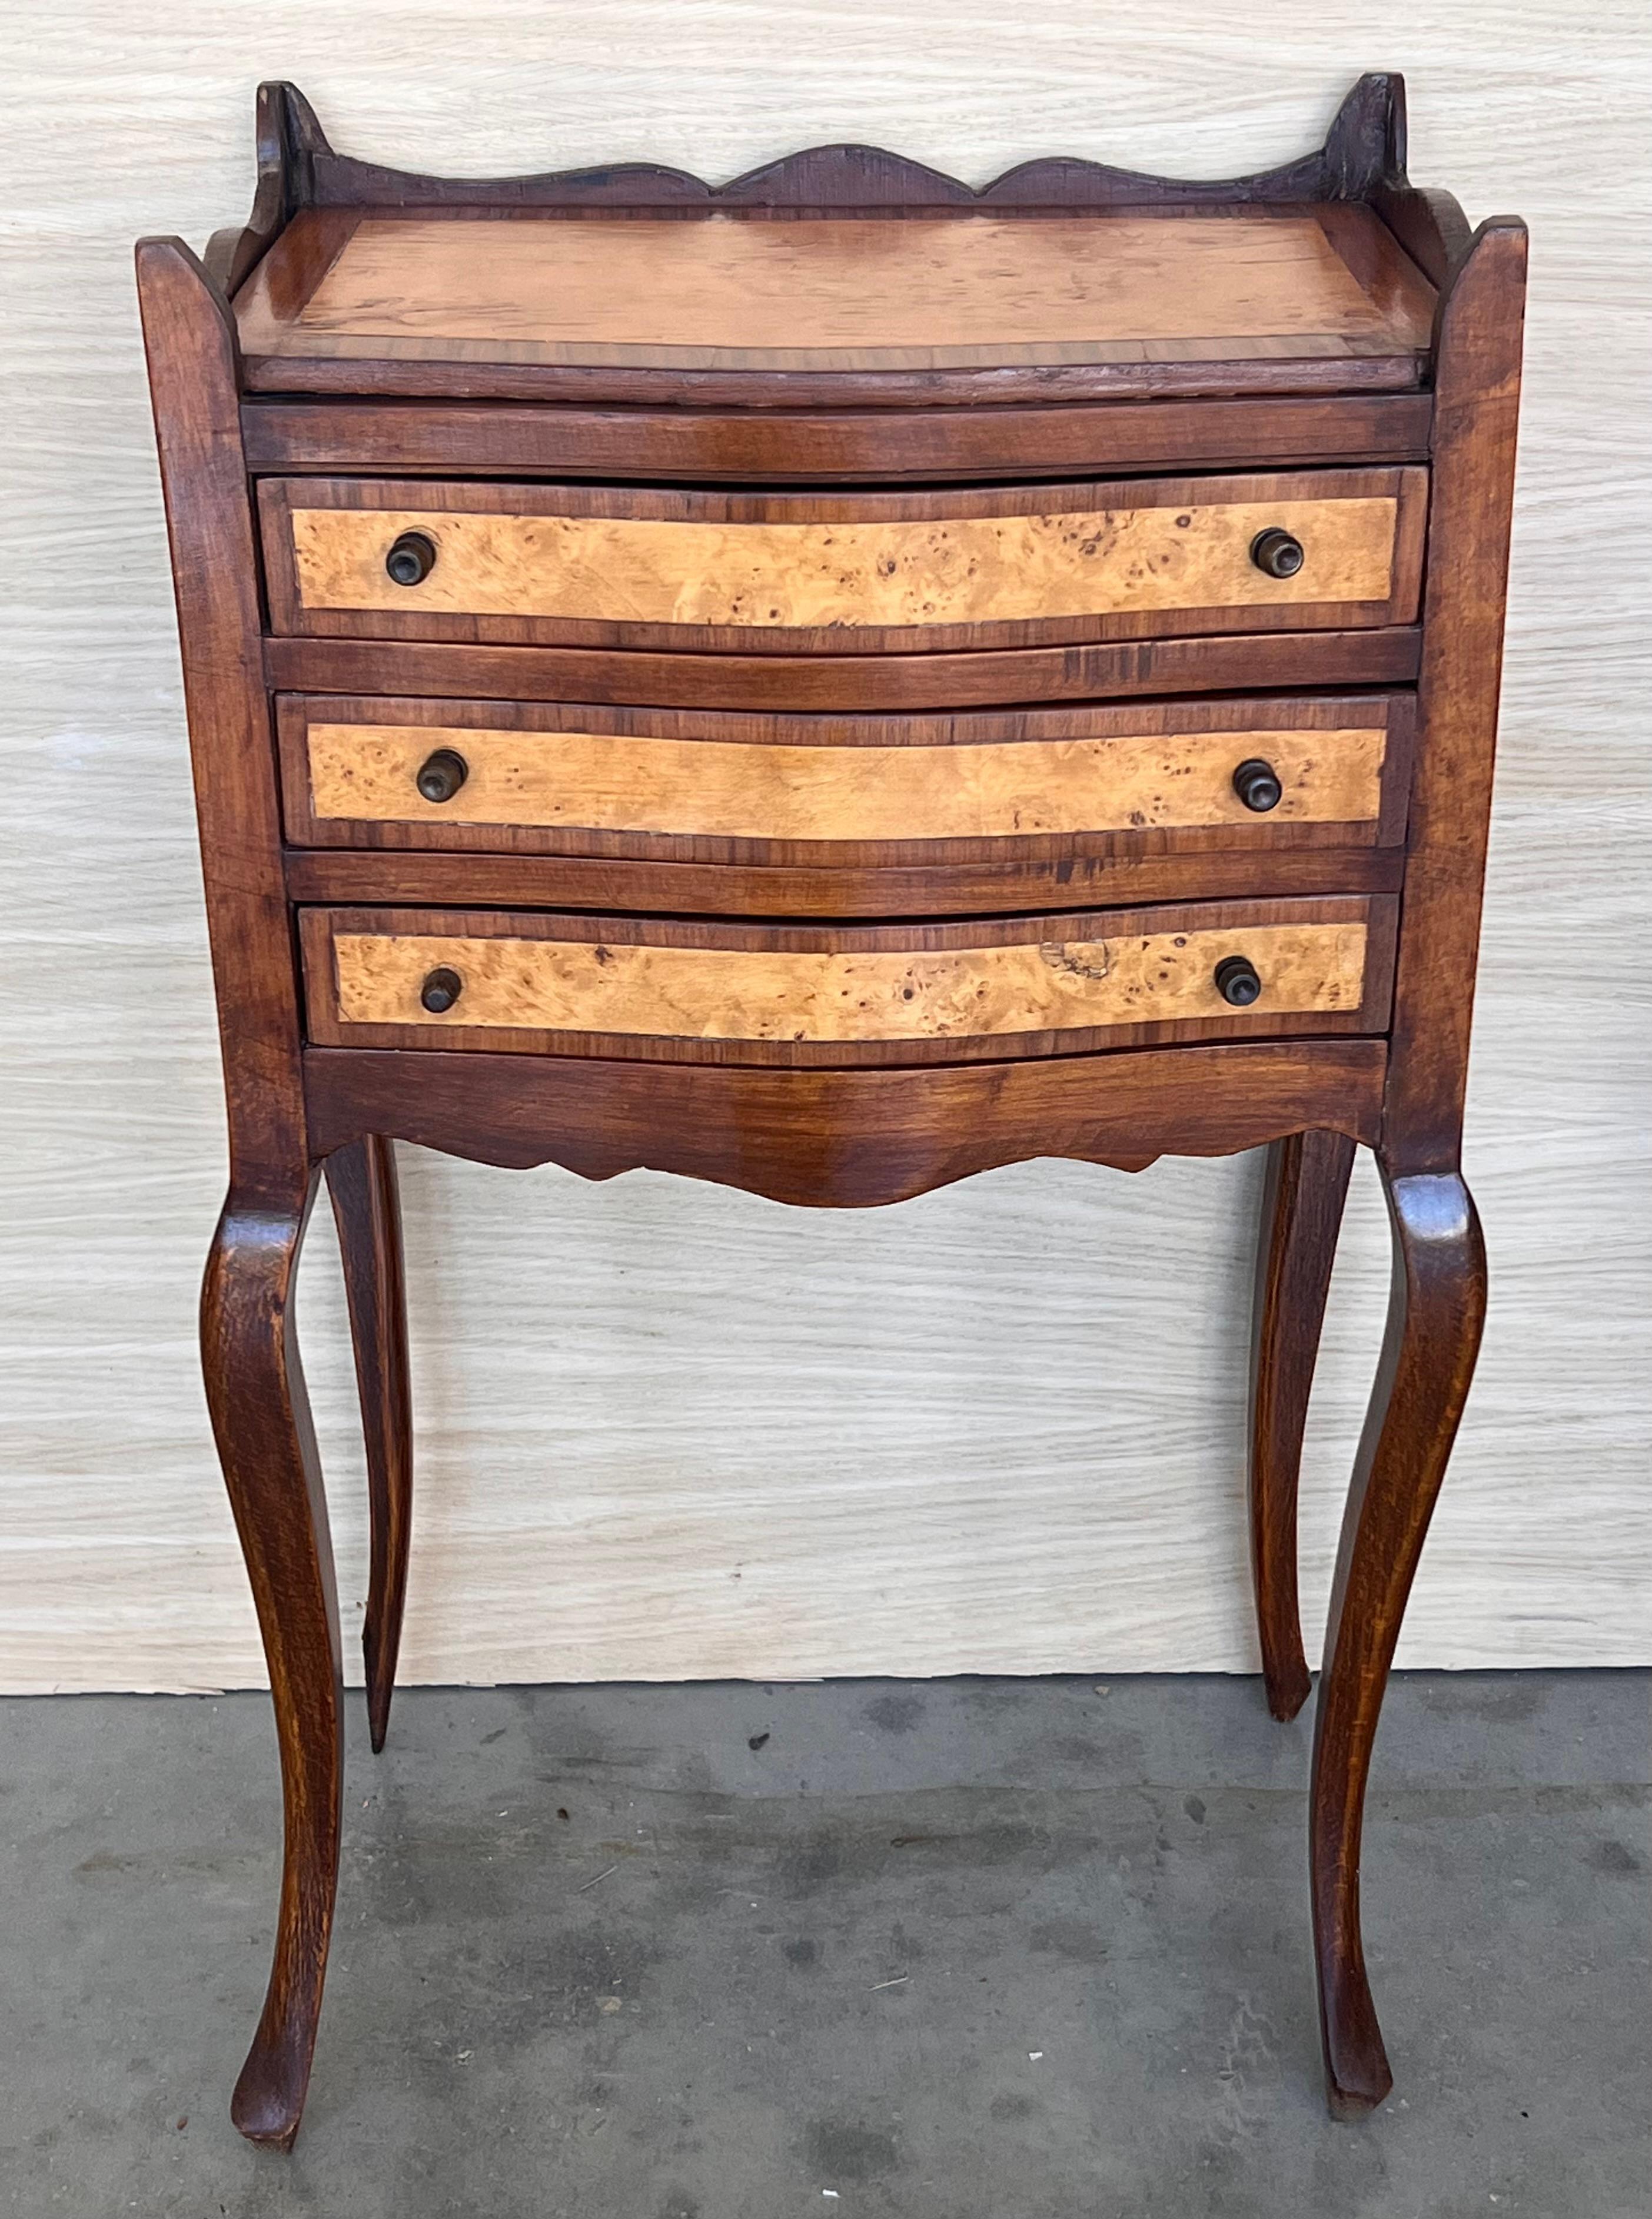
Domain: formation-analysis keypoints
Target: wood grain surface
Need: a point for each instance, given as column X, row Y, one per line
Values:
column 404, row 878
column 1025, row 298
column 841, row 292
column 754, row 791
column 847, row 1140
column 977, row 678
column 1002, row 570
column 989, row 1463
column 943, row 569
column 953, row 988
column 797, row 446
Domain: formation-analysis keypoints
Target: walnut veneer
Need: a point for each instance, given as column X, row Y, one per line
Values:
column 830, row 684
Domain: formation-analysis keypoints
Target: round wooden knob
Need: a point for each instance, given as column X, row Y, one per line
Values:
column 442, row 774
column 441, row 990
column 1277, row 553
column 412, row 559
column 1237, row 981
column 1256, row 783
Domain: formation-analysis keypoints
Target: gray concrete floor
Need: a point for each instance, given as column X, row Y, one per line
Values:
column 1010, row 1947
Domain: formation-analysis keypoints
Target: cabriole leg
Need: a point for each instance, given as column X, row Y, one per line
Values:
column 261, row 1417
column 361, row 1180
column 1435, row 1309
column 1302, row 1202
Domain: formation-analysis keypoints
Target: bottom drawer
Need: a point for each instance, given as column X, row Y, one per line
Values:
column 538, row 984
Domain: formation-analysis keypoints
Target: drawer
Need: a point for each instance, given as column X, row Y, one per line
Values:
column 651, row 784
column 987, row 567
column 729, row 993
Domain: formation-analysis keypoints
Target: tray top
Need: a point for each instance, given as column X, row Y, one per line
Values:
column 1229, row 299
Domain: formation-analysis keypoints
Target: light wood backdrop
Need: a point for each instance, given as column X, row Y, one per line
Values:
column 667, row 1431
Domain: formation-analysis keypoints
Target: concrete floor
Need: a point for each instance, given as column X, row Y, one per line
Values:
column 958, row 1949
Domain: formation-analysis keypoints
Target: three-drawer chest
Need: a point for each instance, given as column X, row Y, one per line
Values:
column 830, row 684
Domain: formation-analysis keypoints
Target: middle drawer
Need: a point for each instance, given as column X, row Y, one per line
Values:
column 1143, row 778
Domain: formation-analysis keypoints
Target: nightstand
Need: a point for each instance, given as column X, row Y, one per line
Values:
column 831, row 684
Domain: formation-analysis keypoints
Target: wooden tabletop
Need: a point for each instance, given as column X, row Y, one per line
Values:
column 1239, row 299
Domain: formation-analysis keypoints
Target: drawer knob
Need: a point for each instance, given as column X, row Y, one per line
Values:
column 1237, row 981
column 442, row 989
column 442, row 774
column 413, row 558
column 1278, row 554
column 1256, row 783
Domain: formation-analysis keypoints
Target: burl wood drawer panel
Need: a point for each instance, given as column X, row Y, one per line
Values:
column 1152, row 778
column 989, row 566
column 702, row 992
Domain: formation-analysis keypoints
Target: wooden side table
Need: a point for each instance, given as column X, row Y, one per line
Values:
column 831, row 684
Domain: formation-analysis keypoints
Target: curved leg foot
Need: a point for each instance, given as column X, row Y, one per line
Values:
column 260, row 1415
column 1301, row 1216
column 1435, row 1310
column 361, row 1180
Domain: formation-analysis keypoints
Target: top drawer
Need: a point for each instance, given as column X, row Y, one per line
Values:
column 991, row 567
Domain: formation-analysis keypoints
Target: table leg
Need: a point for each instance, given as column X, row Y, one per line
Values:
column 1301, row 1216
column 1437, row 1307
column 366, row 1204
column 260, row 1414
